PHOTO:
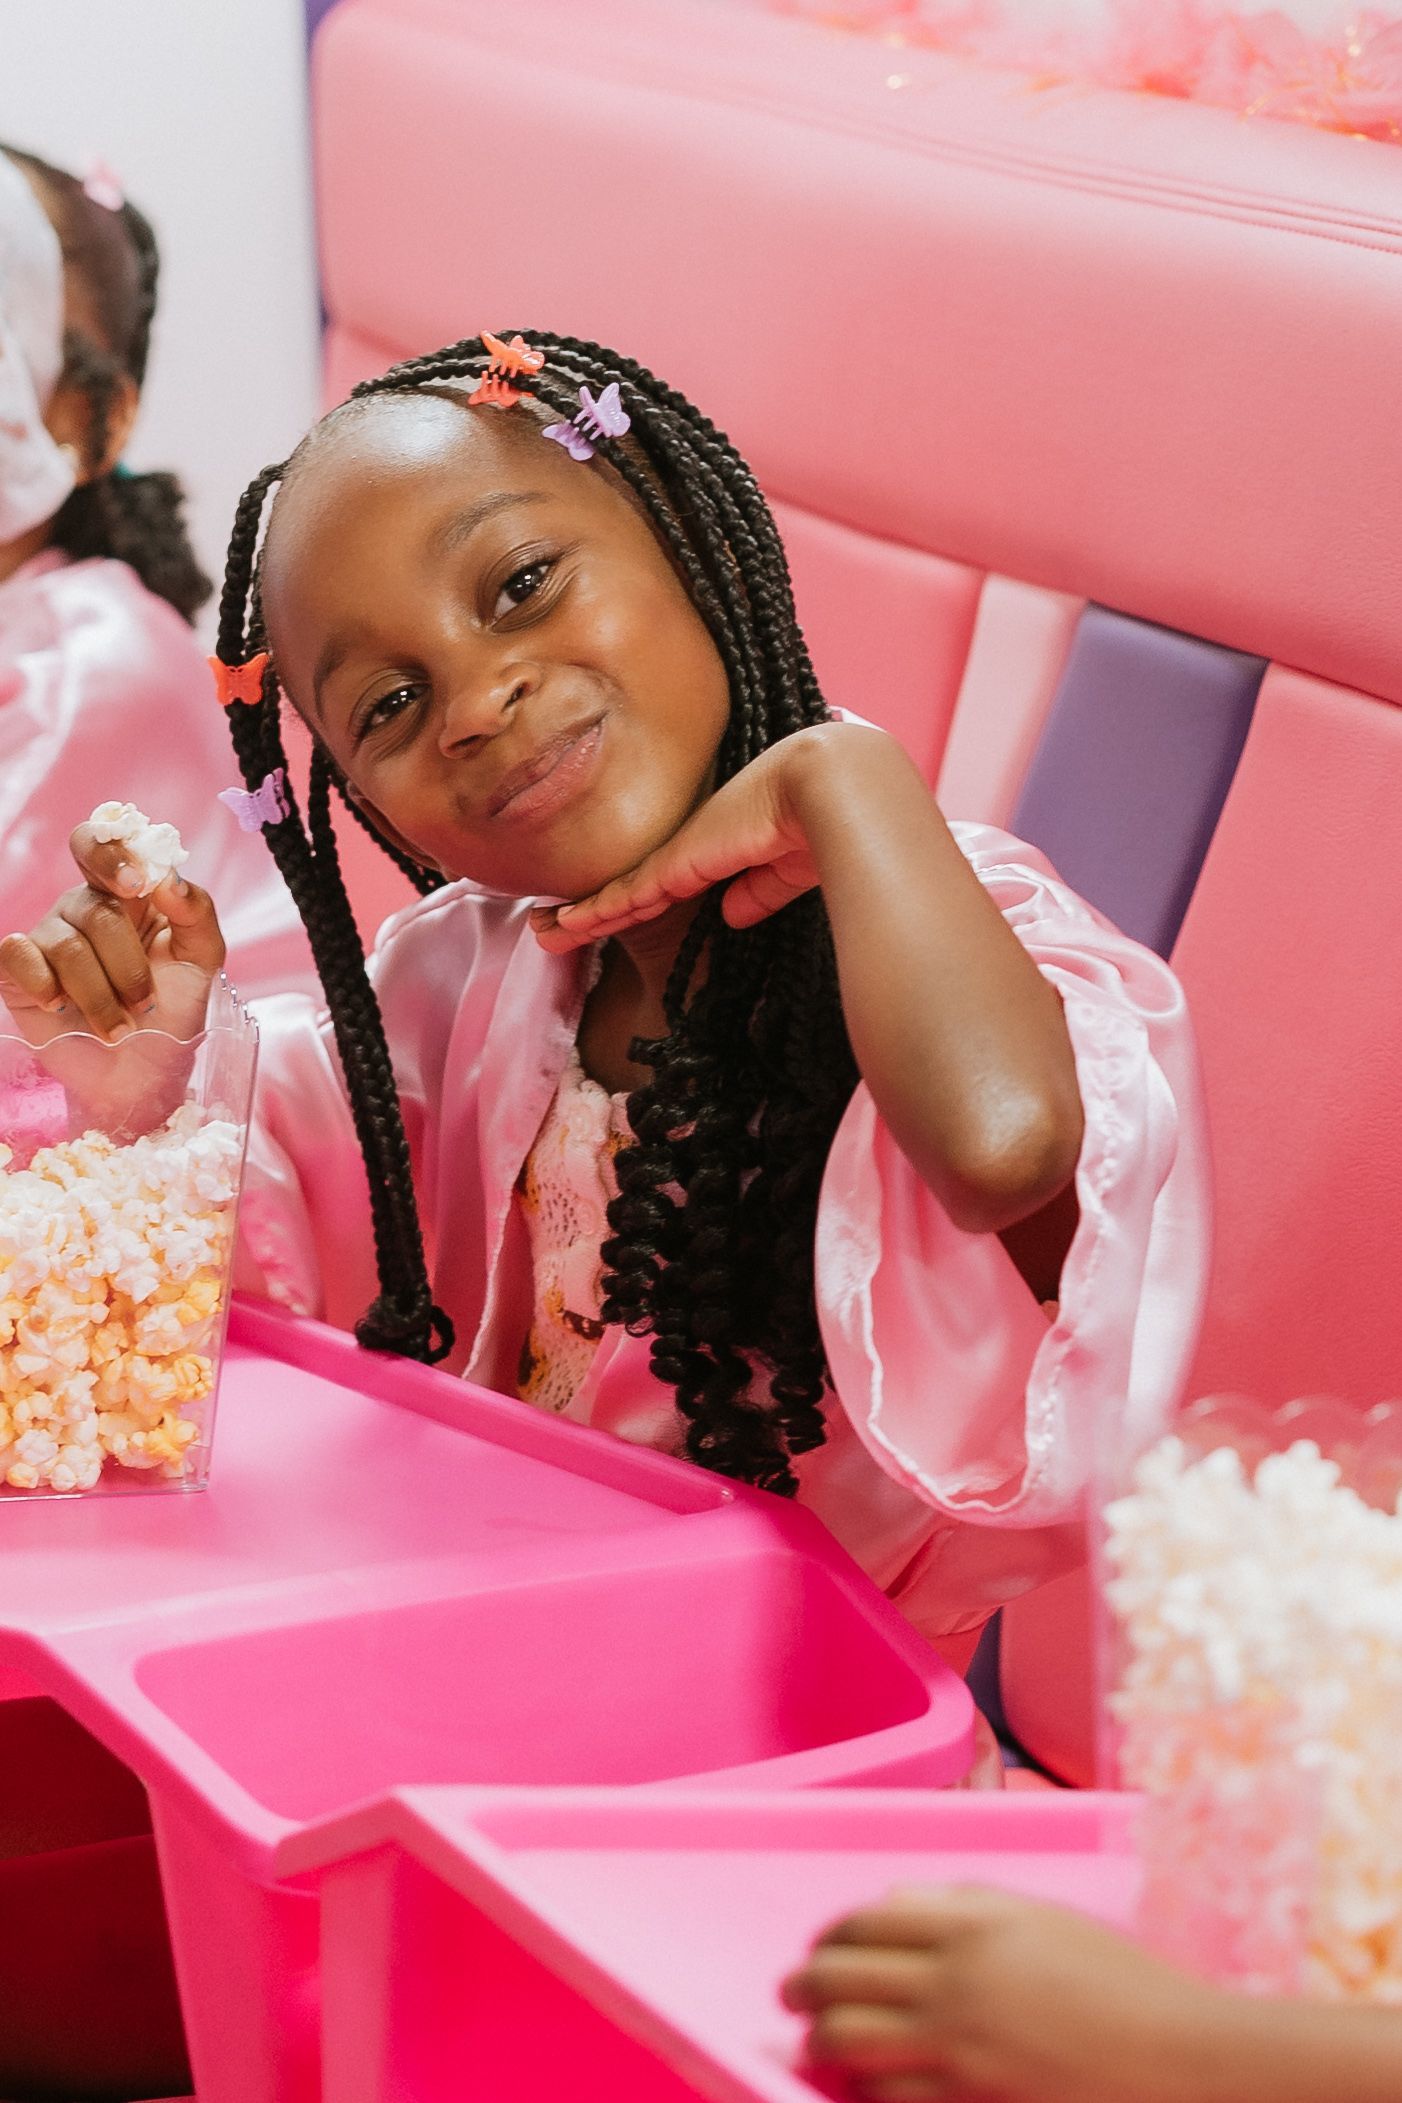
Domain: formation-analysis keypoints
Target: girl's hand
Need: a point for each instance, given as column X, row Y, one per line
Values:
column 982, row 1995
column 750, row 830
column 108, row 962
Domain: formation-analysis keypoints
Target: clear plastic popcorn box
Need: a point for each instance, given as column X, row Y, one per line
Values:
column 120, row 1170
column 1251, row 1660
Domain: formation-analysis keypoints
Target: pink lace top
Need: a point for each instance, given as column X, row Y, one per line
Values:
column 563, row 1192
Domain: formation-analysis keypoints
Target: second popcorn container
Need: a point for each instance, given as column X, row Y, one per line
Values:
column 120, row 1170
column 1253, row 1573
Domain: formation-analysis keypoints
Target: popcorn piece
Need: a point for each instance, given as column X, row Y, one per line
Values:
column 157, row 847
column 112, row 1267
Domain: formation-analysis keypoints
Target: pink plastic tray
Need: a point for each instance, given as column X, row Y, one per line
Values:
column 395, row 1578
column 603, row 1945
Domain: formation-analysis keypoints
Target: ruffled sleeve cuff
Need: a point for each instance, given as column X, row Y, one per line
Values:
column 957, row 1381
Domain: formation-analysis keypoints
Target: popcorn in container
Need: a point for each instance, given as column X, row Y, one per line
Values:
column 120, row 1168
column 1252, row 1651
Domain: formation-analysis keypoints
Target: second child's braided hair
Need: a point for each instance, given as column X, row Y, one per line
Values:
column 133, row 518
column 711, row 1243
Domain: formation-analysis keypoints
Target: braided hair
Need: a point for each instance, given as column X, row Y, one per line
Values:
column 710, row 1248
column 131, row 518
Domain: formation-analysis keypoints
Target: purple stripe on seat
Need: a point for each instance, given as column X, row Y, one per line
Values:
column 1133, row 767
column 315, row 10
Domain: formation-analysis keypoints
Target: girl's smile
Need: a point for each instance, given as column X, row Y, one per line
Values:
column 492, row 644
column 561, row 769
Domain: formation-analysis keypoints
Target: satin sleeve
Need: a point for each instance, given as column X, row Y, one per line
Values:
column 306, row 1234
column 305, row 1238
column 958, row 1383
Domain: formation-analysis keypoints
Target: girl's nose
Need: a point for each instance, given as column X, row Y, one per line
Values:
column 478, row 707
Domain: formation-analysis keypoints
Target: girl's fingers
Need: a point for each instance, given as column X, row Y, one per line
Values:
column 195, row 935
column 907, row 2088
column 760, row 893
column 894, row 1925
column 866, row 2040
column 108, row 865
column 83, row 982
column 25, row 978
column 879, row 1977
column 103, row 925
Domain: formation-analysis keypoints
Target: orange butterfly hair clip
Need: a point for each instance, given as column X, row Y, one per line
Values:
column 239, row 682
column 509, row 361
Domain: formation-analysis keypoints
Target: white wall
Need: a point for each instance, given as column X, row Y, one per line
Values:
column 200, row 106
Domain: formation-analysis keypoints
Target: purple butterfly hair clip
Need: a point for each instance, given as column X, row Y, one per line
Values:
column 604, row 418
column 264, row 805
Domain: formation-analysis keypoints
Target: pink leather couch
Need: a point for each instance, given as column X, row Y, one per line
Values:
column 1078, row 411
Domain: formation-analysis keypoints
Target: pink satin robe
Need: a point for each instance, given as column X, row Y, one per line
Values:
column 965, row 1436
column 104, row 692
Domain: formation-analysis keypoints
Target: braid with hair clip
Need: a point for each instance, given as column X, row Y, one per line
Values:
column 403, row 1317
column 710, row 1248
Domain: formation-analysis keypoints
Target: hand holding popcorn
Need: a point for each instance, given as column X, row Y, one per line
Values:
column 154, row 852
column 133, row 947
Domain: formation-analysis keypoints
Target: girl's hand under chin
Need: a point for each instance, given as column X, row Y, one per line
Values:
column 750, row 831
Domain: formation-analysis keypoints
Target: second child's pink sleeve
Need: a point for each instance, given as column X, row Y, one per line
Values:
column 961, row 1386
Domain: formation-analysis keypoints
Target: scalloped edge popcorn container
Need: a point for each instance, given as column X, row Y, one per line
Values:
column 1251, row 1668
column 120, row 1172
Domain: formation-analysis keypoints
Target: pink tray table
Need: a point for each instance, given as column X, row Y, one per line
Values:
column 396, row 1578
column 601, row 1944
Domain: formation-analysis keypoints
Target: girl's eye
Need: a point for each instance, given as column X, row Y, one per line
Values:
column 523, row 584
column 385, row 710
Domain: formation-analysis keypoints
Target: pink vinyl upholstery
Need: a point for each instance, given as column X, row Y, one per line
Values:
column 1087, row 340
column 1292, row 959
column 995, row 352
column 1292, row 962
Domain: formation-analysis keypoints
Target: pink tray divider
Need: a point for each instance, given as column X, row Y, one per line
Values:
column 447, row 1911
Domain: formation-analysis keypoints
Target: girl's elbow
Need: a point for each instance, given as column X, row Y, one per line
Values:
column 1017, row 1170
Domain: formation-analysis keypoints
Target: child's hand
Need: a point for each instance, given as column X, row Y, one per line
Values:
column 982, row 1995
column 106, row 961
column 751, row 830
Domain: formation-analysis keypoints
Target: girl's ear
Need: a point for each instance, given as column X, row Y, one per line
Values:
column 374, row 816
column 69, row 421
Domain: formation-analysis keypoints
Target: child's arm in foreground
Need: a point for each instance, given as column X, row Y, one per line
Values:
column 998, row 1999
column 959, row 1037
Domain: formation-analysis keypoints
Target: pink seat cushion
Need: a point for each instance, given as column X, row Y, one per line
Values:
column 1292, row 958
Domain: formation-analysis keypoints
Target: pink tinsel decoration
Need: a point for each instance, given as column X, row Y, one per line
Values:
column 1258, row 64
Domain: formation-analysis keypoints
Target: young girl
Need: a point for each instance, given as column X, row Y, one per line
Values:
column 844, row 1153
column 101, row 679
column 998, row 1999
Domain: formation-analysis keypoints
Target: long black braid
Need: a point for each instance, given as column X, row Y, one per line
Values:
column 133, row 518
column 403, row 1317
column 710, row 1250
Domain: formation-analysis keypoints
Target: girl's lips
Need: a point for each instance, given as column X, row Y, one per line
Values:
column 552, row 778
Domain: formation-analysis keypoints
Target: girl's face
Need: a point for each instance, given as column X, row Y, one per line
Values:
column 493, row 646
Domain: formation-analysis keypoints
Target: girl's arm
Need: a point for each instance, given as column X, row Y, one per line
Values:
column 960, row 1039
column 992, row 1996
